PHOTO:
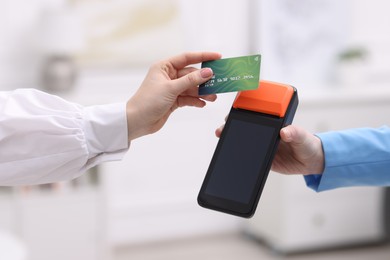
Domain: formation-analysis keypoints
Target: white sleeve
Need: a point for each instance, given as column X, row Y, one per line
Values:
column 44, row 138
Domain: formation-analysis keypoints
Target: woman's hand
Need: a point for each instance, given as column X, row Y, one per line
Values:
column 169, row 84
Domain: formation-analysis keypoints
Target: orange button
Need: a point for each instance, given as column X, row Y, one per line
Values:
column 270, row 98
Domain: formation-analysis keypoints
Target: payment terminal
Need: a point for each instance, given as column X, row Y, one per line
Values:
column 243, row 157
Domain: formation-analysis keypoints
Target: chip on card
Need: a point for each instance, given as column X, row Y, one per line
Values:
column 232, row 74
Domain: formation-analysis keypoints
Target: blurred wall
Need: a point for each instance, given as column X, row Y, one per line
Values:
column 197, row 25
column 301, row 41
column 325, row 44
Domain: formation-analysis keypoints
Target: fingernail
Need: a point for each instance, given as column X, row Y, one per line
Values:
column 206, row 72
column 287, row 134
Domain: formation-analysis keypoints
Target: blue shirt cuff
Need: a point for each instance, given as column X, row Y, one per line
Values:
column 355, row 157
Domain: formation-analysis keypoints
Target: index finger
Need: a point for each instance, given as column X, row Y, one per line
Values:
column 185, row 59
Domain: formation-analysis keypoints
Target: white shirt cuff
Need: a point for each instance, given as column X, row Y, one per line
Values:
column 106, row 133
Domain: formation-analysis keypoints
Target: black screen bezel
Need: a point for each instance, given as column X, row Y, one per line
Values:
column 230, row 206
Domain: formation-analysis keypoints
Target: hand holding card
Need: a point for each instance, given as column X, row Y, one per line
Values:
column 232, row 74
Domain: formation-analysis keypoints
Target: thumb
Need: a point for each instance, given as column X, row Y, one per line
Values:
column 293, row 134
column 192, row 79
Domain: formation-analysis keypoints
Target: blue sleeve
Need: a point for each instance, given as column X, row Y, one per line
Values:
column 355, row 157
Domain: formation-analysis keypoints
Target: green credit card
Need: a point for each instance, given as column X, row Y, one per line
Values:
column 232, row 74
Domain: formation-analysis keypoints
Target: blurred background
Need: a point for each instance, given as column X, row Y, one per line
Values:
column 336, row 53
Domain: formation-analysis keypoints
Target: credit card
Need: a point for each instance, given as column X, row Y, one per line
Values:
column 232, row 74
